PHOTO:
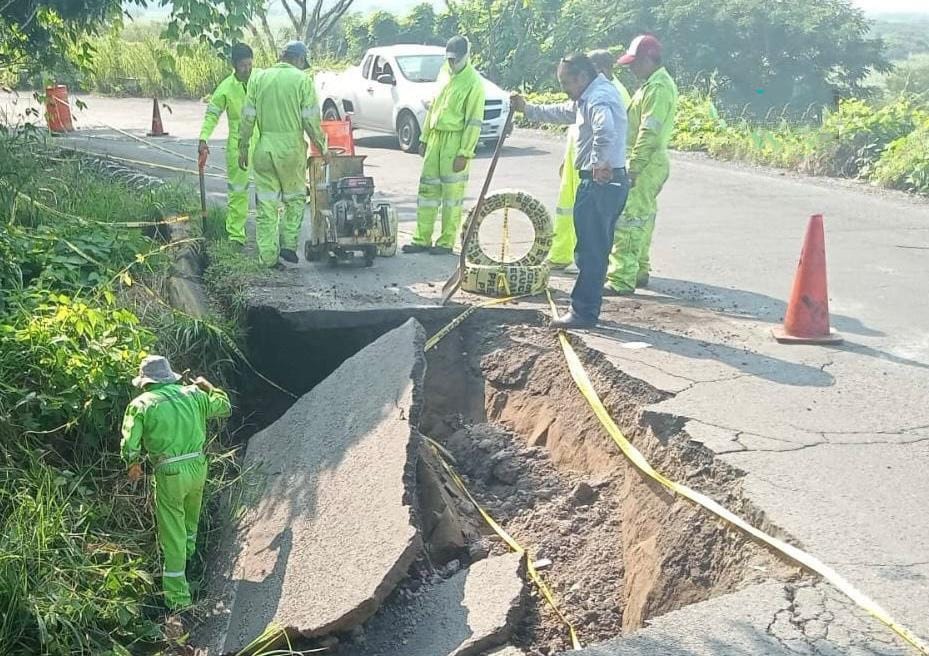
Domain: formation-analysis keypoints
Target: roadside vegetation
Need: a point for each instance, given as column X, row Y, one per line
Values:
column 80, row 305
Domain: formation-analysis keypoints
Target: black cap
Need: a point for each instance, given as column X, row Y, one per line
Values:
column 457, row 45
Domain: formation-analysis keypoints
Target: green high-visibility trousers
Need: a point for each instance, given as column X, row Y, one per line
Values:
column 280, row 180
column 236, row 191
column 440, row 186
column 629, row 258
column 564, row 240
column 178, row 498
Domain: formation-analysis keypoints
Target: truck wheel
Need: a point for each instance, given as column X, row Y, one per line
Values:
column 408, row 132
column 331, row 112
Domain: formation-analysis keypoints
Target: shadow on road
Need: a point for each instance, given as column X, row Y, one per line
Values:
column 748, row 362
column 739, row 303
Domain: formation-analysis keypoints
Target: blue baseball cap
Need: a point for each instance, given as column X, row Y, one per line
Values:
column 295, row 49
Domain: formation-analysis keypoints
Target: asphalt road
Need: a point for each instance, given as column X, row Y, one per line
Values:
column 834, row 442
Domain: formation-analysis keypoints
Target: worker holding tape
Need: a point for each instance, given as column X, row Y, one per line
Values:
column 168, row 421
column 448, row 142
column 564, row 240
column 651, row 122
column 281, row 101
column 229, row 97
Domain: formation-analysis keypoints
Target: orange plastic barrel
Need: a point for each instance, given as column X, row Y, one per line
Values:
column 57, row 109
column 339, row 135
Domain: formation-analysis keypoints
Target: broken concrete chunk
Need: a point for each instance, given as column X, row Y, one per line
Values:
column 465, row 615
column 330, row 532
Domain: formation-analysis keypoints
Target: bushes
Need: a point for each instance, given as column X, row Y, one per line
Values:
column 885, row 143
column 905, row 163
column 78, row 310
column 855, row 135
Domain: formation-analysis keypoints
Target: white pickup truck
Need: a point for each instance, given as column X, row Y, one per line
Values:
column 392, row 89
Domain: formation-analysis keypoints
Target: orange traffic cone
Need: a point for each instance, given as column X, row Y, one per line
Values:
column 807, row 318
column 158, row 129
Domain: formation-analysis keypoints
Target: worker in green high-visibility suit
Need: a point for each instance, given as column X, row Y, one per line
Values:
column 281, row 101
column 229, row 97
column 561, row 255
column 448, row 142
column 168, row 420
column 651, row 122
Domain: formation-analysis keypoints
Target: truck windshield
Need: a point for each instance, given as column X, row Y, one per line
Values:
column 421, row 68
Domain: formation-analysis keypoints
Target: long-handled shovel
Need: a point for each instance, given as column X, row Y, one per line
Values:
column 454, row 282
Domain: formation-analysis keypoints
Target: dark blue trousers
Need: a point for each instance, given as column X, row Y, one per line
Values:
column 596, row 209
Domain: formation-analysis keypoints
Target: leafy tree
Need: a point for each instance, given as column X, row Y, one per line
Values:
column 419, row 25
column 217, row 24
column 313, row 20
column 753, row 51
column 383, row 28
column 40, row 33
column 903, row 35
column 909, row 76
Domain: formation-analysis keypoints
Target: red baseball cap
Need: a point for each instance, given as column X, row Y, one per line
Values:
column 644, row 45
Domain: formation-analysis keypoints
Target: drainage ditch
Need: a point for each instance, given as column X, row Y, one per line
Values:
column 617, row 550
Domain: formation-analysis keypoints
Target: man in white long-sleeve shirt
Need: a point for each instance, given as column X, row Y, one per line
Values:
column 600, row 115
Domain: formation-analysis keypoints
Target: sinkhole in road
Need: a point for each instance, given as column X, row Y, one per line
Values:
column 617, row 549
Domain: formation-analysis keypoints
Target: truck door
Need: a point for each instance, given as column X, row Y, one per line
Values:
column 380, row 95
column 359, row 94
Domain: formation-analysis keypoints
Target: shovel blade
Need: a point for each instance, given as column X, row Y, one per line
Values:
column 451, row 286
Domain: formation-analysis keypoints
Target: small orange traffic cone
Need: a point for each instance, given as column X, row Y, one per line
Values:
column 807, row 318
column 158, row 129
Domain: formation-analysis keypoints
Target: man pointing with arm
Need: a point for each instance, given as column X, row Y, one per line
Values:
column 598, row 110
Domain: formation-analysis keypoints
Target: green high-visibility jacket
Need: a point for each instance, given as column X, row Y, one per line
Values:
column 458, row 107
column 651, row 122
column 281, row 100
column 169, row 420
column 623, row 92
column 229, row 97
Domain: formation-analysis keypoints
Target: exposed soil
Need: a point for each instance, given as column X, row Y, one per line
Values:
column 501, row 400
column 561, row 516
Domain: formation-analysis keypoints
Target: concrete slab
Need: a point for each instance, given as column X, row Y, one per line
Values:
column 330, row 530
column 769, row 619
column 467, row 614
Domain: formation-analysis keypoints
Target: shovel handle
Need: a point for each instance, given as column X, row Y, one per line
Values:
column 454, row 282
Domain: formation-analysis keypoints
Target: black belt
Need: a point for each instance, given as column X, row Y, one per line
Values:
column 588, row 175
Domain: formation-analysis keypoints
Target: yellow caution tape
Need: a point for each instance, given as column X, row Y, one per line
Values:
column 510, row 541
column 110, row 224
column 789, row 551
column 139, row 162
column 457, row 321
column 152, row 144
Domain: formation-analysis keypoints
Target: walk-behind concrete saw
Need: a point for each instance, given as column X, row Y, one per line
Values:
column 345, row 219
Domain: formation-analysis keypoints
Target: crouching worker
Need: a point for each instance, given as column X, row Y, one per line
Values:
column 168, row 420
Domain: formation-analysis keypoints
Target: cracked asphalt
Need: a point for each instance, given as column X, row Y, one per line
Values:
column 833, row 441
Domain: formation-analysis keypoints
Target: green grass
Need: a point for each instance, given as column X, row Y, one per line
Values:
column 80, row 304
column 884, row 142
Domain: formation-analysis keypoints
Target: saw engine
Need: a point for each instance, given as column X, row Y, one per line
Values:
column 352, row 209
column 346, row 219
